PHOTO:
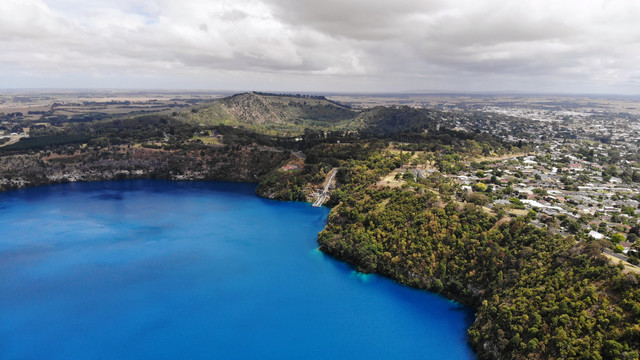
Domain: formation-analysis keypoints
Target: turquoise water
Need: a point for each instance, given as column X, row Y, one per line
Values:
column 195, row 270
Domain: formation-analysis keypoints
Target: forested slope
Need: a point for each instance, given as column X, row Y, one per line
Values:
column 538, row 295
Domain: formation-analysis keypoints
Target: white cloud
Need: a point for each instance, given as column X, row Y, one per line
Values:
column 334, row 44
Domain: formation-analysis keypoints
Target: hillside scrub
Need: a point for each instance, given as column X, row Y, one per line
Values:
column 537, row 295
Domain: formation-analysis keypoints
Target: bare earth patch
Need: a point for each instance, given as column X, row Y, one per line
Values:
column 390, row 180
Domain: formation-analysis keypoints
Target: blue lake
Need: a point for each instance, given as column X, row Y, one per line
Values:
column 197, row 270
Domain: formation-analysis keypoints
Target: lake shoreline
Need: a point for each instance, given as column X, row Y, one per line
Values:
column 106, row 197
column 116, row 173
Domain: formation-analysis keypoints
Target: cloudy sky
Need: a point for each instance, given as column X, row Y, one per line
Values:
column 584, row 46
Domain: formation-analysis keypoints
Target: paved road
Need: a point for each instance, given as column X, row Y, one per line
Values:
column 299, row 154
column 323, row 196
column 614, row 254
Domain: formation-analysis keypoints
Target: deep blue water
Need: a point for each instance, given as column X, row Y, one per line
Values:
column 195, row 270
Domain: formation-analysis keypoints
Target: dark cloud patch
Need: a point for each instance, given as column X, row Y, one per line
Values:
column 359, row 20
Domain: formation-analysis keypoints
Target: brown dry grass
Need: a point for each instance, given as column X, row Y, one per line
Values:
column 627, row 267
column 390, row 180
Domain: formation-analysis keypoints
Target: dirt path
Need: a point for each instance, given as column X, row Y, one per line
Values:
column 14, row 139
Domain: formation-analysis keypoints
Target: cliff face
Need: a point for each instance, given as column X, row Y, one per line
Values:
column 243, row 164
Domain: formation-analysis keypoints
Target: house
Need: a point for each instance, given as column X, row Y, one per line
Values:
column 626, row 246
column 596, row 235
column 610, row 209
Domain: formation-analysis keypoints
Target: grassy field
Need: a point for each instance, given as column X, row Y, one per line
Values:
column 209, row 140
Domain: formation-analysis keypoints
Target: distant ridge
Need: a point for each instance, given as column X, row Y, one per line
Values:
column 303, row 96
column 293, row 114
column 276, row 112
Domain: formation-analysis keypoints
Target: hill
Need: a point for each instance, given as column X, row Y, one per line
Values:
column 397, row 119
column 284, row 114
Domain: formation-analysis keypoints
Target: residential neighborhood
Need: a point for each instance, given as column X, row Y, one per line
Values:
column 579, row 176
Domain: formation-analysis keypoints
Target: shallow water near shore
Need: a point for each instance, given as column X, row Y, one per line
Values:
column 146, row 269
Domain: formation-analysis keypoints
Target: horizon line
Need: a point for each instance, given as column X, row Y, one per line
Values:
column 370, row 93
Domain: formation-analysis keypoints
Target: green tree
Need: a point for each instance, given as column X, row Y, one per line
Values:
column 617, row 238
column 480, row 187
